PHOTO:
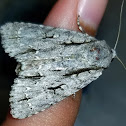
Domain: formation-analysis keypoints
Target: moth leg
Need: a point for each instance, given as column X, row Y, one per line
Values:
column 79, row 26
column 74, row 95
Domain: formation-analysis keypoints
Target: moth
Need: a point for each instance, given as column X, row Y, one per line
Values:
column 53, row 63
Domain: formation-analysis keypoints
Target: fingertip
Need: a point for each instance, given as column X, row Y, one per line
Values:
column 90, row 14
column 63, row 15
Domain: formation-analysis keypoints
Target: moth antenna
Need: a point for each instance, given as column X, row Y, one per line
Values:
column 121, row 62
column 120, row 23
column 117, row 40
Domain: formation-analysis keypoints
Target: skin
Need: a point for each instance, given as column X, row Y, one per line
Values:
column 64, row 113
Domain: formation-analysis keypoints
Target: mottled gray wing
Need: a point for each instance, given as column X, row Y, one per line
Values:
column 53, row 64
column 27, row 37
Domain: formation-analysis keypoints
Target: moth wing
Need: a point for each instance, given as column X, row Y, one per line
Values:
column 32, row 95
column 48, row 70
column 21, row 38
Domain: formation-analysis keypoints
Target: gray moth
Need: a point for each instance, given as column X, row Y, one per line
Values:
column 53, row 63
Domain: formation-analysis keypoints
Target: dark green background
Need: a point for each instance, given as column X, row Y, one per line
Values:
column 104, row 100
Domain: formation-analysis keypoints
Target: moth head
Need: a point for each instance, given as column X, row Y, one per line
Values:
column 99, row 54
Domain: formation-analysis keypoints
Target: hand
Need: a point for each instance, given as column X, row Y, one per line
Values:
column 64, row 14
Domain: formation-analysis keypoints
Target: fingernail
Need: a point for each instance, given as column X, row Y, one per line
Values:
column 90, row 13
